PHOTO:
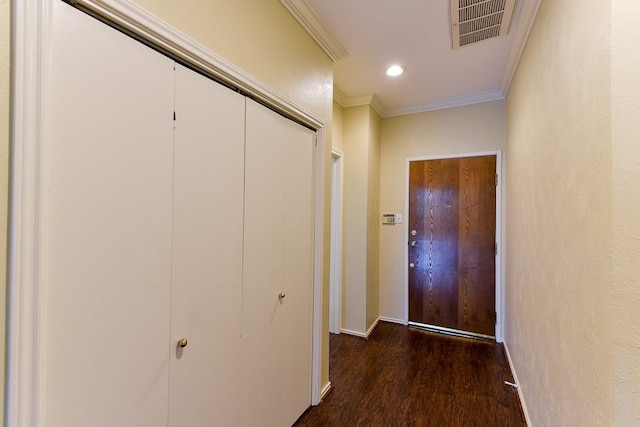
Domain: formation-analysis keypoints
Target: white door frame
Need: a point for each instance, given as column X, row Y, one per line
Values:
column 499, row 302
column 335, row 299
column 25, row 286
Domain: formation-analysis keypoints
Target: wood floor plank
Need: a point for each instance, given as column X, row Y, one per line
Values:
column 407, row 377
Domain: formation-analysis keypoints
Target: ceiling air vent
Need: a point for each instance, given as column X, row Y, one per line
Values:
column 476, row 20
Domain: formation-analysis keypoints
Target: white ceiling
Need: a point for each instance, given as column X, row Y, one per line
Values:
column 366, row 36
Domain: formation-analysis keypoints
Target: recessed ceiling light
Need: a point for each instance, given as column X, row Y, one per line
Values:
column 395, row 70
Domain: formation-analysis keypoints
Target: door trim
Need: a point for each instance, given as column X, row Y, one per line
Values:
column 25, row 366
column 499, row 301
column 335, row 302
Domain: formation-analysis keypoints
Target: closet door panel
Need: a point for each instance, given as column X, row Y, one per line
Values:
column 207, row 252
column 278, row 252
column 106, row 247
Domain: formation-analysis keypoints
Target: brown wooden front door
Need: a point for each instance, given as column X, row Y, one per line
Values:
column 452, row 229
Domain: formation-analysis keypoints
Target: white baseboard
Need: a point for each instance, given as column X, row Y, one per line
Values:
column 393, row 320
column 361, row 334
column 354, row 333
column 325, row 390
column 372, row 327
column 515, row 378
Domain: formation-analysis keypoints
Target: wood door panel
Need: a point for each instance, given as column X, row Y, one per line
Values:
column 477, row 240
column 452, row 210
column 435, row 251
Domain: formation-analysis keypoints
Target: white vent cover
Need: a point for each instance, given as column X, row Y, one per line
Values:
column 476, row 20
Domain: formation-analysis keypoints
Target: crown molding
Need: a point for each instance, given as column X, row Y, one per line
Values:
column 339, row 96
column 527, row 17
column 136, row 21
column 460, row 101
column 373, row 100
column 303, row 13
column 357, row 101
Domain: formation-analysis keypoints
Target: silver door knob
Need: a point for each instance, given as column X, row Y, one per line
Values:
column 182, row 343
column 414, row 232
column 411, row 265
column 281, row 295
column 413, row 243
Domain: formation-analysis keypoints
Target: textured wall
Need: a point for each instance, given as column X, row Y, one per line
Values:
column 625, row 93
column 373, row 220
column 4, row 170
column 356, row 154
column 559, row 216
column 338, row 127
column 361, row 217
column 469, row 129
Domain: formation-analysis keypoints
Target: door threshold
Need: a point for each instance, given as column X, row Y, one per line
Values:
column 450, row 331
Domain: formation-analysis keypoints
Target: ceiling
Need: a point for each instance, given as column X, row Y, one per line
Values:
column 364, row 37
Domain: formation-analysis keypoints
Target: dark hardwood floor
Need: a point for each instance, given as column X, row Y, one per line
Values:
column 407, row 377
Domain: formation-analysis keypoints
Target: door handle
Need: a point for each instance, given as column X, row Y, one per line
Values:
column 281, row 295
column 411, row 265
column 182, row 343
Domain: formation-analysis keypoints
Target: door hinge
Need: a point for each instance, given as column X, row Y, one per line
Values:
column 496, row 180
column 495, row 247
column 174, row 116
column 495, row 317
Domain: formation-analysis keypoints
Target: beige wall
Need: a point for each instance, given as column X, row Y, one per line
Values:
column 559, row 217
column 625, row 93
column 356, row 147
column 4, row 171
column 373, row 221
column 361, row 145
column 263, row 39
column 337, row 137
column 469, row 129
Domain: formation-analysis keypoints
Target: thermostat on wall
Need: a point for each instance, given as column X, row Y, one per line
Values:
column 389, row 219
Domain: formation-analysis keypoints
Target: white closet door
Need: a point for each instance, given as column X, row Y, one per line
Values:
column 278, row 252
column 106, row 248
column 207, row 252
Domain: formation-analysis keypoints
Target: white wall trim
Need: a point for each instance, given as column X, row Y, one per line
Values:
column 31, row 28
column 460, row 101
column 357, row 101
column 499, row 306
column 362, row 334
column 354, row 333
column 527, row 17
column 316, row 364
column 339, row 96
column 335, row 303
column 157, row 33
column 393, row 320
column 325, row 391
column 372, row 327
column 303, row 13
column 373, row 100
column 517, row 382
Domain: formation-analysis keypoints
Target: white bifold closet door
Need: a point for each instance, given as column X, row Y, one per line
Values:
column 207, row 252
column 278, row 268
column 105, row 269
column 172, row 208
